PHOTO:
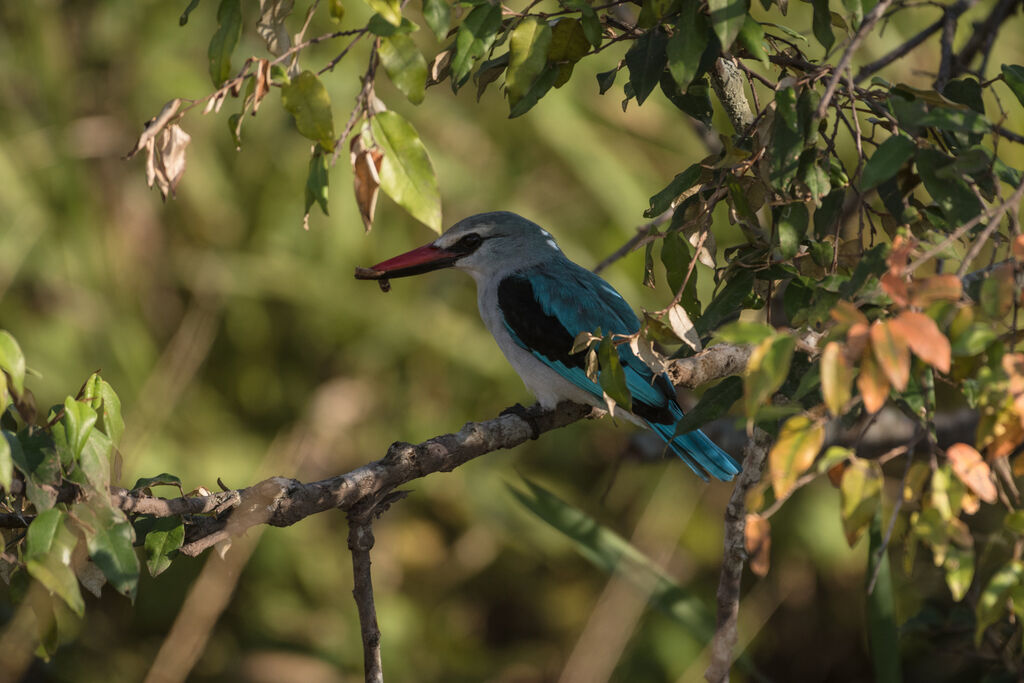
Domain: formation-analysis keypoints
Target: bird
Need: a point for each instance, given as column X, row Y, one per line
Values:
column 535, row 301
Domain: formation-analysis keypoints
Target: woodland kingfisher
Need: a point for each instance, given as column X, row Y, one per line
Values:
column 535, row 302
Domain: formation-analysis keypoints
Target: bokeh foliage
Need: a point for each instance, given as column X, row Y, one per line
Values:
column 222, row 324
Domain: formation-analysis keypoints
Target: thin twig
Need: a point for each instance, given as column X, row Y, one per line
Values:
column 360, row 542
column 869, row 21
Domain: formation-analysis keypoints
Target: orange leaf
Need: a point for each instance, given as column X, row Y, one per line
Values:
column 872, row 383
column 757, row 536
column 935, row 288
column 836, row 377
column 896, row 287
column 856, row 341
column 900, row 253
column 1013, row 365
column 845, row 313
column 924, row 338
column 892, row 353
column 972, row 470
column 1018, row 247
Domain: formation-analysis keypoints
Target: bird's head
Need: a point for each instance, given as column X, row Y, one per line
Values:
column 484, row 245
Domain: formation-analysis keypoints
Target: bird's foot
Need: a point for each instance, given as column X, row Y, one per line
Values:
column 524, row 414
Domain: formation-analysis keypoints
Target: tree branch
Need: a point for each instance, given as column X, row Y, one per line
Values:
column 733, row 557
column 728, row 84
column 280, row 501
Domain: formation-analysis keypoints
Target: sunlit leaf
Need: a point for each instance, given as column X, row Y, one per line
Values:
column 48, row 548
column 972, row 470
column 992, row 603
column 891, row 352
column 405, row 65
column 110, row 537
column 528, row 54
column 164, row 537
column 78, row 420
column 836, row 378
column 973, row 340
column 406, row 174
column 12, row 361
column 872, row 383
column 793, row 452
column 924, row 338
column 475, row 37
column 744, row 332
column 766, row 371
column 389, row 10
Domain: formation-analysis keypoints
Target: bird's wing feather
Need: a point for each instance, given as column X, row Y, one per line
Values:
column 544, row 314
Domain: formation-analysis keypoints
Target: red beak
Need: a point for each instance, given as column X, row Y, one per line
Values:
column 420, row 260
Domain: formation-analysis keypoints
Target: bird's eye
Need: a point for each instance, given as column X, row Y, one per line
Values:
column 468, row 243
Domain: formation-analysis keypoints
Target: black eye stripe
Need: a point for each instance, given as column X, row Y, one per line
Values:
column 467, row 244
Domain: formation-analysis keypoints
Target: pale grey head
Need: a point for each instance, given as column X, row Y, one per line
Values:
column 497, row 241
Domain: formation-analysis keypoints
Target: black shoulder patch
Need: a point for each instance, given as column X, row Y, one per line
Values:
column 539, row 331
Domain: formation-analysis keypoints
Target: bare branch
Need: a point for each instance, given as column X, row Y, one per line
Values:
column 865, row 27
column 724, row 641
column 360, row 541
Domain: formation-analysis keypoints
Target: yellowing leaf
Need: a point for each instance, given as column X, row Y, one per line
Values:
column 972, row 470
column 766, row 371
column 757, row 537
column 924, row 338
column 892, row 353
column 1018, row 247
column 845, row 313
column 793, row 452
column 836, row 377
column 861, row 494
column 406, row 174
column 872, row 383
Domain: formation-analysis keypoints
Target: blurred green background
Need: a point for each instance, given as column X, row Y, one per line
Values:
column 224, row 326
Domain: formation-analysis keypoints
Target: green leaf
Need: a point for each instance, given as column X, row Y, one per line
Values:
column 974, row 340
column 715, row 403
column 727, row 18
column 661, row 202
column 110, row 420
column 793, row 452
column 406, row 174
column 224, row 40
column 78, row 420
column 95, row 460
column 790, row 227
column 337, row 10
column 48, row 549
column 1013, row 75
column 821, row 24
column 959, row 567
column 751, row 36
column 389, row 10
column 744, row 332
column 165, row 536
column 39, row 461
column 438, row 15
column 110, row 537
column 569, row 45
column 883, row 634
column 958, row 121
column 317, row 181
column 306, row 99
column 766, row 371
column 405, row 65
column 8, row 442
column 474, row 39
column 686, row 46
column 958, row 203
column 528, row 55
column 787, row 140
column 646, row 60
column 612, row 376
column 12, row 361
column 379, row 26
column 611, row 553
column 159, row 480
column 547, row 78
column 676, row 256
column 592, row 28
column 887, row 161
column 183, row 19
column 992, row 603
column 695, row 102
column 727, row 302
column 860, row 490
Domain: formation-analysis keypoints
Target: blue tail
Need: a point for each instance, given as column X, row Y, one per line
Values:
column 699, row 452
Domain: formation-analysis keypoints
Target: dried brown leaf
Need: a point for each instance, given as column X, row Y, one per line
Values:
column 262, row 84
column 165, row 161
column 366, row 164
column 895, row 287
column 154, row 126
